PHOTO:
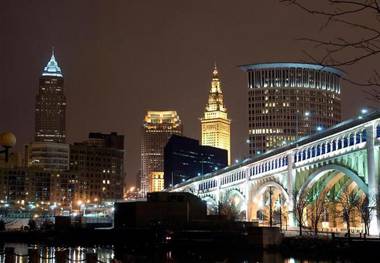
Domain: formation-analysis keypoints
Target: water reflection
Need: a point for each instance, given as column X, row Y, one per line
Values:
column 106, row 254
column 48, row 254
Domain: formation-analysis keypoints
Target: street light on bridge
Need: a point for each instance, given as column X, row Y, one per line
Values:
column 364, row 111
column 319, row 128
column 305, row 116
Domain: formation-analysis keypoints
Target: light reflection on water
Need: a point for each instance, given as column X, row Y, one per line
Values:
column 106, row 254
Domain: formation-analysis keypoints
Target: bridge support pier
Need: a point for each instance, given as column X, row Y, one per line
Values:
column 373, row 178
column 290, row 188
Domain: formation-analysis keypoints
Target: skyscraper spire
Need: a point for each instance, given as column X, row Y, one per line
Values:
column 215, row 122
column 215, row 98
column 215, row 71
column 52, row 68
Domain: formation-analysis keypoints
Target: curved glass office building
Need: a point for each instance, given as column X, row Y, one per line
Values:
column 290, row 100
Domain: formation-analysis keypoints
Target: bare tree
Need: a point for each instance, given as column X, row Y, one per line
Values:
column 366, row 211
column 227, row 208
column 299, row 210
column 362, row 19
column 348, row 201
column 315, row 212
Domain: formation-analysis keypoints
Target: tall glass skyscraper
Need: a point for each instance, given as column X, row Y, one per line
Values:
column 290, row 100
column 49, row 151
column 50, row 109
column 215, row 124
column 158, row 127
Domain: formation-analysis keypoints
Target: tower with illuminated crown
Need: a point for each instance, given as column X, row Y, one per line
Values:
column 216, row 126
column 50, row 110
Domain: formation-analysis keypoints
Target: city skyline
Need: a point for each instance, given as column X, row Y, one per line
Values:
column 109, row 77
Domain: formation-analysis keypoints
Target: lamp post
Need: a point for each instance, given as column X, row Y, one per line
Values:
column 7, row 140
column 270, row 207
column 279, row 196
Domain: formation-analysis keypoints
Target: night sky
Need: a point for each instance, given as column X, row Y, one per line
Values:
column 122, row 58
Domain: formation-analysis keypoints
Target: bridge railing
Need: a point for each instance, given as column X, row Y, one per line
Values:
column 346, row 136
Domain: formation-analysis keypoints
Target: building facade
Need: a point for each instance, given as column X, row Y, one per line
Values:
column 184, row 159
column 64, row 189
column 99, row 167
column 20, row 186
column 156, row 181
column 158, row 127
column 48, row 156
column 287, row 101
column 35, row 191
column 50, row 108
column 215, row 124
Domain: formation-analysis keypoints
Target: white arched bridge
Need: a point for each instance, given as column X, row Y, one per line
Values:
column 345, row 156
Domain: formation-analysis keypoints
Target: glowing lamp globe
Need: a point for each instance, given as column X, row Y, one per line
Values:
column 7, row 139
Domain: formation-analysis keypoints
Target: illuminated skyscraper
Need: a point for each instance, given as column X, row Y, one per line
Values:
column 50, row 110
column 156, row 181
column 49, row 151
column 290, row 100
column 216, row 127
column 157, row 129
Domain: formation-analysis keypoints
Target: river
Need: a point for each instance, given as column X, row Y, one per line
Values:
column 106, row 254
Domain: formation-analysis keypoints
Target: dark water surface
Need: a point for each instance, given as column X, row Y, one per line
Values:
column 106, row 254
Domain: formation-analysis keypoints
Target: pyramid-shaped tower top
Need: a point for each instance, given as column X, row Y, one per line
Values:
column 52, row 68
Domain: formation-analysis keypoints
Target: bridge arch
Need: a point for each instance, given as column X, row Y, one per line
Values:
column 256, row 208
column 237, row 198
column 211, row 203
column 318, row 174
column 261, row 189
column 231, row 193
column 190, row 189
